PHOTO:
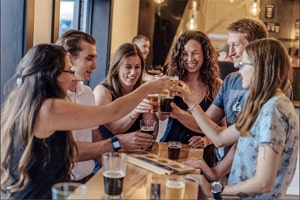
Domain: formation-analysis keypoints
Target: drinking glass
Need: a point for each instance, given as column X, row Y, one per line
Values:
column 153, row 101
column 174, row 149
column 114, row 170
column 165, row 104
column 174, row 84
column 147, row 126
column 62, row 190
column 175, row 187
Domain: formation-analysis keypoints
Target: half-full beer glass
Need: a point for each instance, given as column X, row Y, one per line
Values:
column 114, row 171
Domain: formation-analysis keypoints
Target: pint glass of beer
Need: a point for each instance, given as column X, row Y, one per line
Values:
column 147, row 126
column 165, row 104
column 175, row 186
column 174, row 83
column 153, row 100
column 114, row 169
column 174, row 149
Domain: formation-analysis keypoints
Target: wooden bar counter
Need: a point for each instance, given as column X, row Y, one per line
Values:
column 137, row 182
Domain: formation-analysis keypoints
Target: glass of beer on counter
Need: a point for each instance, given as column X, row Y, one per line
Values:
column 153, row 101
column 174, row 149
column 175, row 187
column 114, row 170
column 147, row 126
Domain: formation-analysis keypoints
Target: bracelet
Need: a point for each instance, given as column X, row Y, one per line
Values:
column 190, row 110
column 132, row 118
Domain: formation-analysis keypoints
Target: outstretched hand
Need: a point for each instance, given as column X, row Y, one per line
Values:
column 183, row 90
column 158, row 84
column 143, row 107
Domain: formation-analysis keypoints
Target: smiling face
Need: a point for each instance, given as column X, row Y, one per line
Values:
column 85, row 62
column 193, row 56
column 237, row 43
column 66, row 78
column 246, row 70
column 130, row 71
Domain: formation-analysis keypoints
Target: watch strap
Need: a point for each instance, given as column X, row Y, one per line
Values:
column 217, row 195
column 217, row 192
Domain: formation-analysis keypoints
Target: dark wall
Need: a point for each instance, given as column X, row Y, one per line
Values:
column 160, row 23
column 12, row 45
column 101, row 29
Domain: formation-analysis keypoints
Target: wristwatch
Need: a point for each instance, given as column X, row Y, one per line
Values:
column 115, row 143
column 216, row 189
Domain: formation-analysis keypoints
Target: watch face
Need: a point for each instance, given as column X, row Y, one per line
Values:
column 116, row 144
column 217, row 187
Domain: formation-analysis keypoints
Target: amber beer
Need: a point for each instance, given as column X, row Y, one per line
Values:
column 174, row 83
column 153, row 100
column 175, row 187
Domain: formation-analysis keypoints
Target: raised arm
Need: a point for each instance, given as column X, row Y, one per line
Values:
column 218, row 135
column 58, row 114
column 103, row 97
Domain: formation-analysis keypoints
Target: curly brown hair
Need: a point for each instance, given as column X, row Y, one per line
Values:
column 209, row 72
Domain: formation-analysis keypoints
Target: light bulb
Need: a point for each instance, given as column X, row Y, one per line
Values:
column 254, row 9
column 158, row 1
column 192, row 24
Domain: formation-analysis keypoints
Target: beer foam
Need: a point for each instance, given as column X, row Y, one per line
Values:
column 113, row 174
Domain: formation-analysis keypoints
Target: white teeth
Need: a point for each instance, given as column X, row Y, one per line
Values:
column 191, row 65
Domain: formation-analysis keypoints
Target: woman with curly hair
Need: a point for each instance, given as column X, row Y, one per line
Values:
column 194, row 61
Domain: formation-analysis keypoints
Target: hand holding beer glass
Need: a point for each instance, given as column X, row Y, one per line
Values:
column 166, row 99
column 114, row 170
column 147, row 126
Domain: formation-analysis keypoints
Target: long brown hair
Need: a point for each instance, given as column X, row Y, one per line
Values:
column 272, row 70
column 112, row 79
column 209, row 72
column 34, row 82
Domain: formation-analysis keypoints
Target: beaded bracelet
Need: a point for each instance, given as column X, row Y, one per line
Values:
column 190, row 110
